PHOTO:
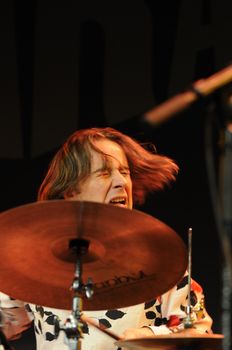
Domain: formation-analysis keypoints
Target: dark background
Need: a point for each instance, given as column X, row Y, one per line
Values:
column 70, row 65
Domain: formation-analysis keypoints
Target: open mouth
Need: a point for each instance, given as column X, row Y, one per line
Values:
column 120, row 201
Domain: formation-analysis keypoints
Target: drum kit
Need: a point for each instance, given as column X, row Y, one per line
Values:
column 111, row 257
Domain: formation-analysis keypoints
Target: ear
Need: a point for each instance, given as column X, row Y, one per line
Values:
column 70, row 193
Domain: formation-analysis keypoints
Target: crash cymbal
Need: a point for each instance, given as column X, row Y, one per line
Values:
column 132, row 257
column 174, row 341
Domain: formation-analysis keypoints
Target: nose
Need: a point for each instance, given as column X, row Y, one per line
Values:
column 118, row 179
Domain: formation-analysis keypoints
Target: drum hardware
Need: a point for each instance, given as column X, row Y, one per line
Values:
column 63, row 233
column 115, row 235
column 188, row 320
column 184, row 340
column 73, row 326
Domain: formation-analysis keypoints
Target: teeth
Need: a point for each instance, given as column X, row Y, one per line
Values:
column 118, row 200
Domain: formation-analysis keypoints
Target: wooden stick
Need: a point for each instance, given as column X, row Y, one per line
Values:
column 176, row 104
column 89, row 321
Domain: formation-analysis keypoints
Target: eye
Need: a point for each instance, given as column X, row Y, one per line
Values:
column 104, row 173
column 125, row 171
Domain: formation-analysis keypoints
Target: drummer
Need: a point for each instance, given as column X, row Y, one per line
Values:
column 106, row 166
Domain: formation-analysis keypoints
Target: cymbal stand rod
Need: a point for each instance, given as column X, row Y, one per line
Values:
column 73, row 326
column 188, row 321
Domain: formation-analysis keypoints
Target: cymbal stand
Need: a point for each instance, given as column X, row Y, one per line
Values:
column 73, row 326
column 188, row 320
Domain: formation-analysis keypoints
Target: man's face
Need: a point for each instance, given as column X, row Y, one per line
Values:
column 109, row 183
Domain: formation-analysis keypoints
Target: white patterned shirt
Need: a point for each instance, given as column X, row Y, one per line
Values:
column 163, row 315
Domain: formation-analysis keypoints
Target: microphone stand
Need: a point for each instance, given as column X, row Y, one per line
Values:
column 226, row 191
column 166, row 111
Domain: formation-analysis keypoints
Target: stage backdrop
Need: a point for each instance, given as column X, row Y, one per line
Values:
column 76, row 64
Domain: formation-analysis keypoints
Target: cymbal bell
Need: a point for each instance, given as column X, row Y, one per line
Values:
column 132, row 257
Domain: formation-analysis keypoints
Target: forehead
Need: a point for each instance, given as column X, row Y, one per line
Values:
column 112, row 152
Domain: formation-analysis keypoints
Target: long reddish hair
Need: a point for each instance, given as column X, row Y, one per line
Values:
column 72, row 164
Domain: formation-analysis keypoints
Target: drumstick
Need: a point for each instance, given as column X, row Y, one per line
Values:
column 89, row 321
